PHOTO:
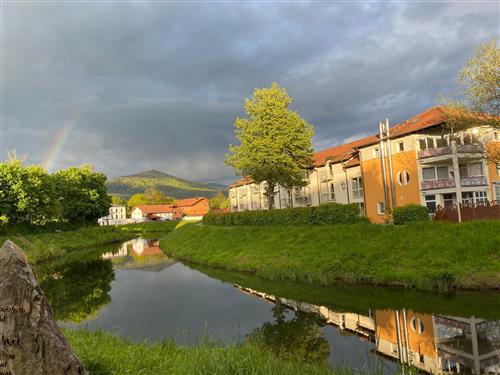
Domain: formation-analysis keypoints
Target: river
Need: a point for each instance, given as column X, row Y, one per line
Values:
column 136, row 291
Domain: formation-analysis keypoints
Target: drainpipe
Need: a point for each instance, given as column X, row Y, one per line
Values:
column 346, row 183
column 456, row 175
column 398, row 328
column 389, row 156
column 407, row 343
column 319, row 187
column 382, row 161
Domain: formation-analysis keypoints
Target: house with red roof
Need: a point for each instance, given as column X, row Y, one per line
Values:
column 154, row 212
column 418, row 161
column 190, row 208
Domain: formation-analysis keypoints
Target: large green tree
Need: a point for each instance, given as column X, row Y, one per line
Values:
column 220, row 201
column 150, row 196
column 478, row 100
column 27, row 194
column 275, row 142
column 82, row 194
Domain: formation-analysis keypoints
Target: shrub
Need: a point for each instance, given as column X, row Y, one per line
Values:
column 409, row 213
column 331, row 213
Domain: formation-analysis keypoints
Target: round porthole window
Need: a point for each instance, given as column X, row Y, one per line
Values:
column 342, row 186
column 403, row 178
column 416, row 325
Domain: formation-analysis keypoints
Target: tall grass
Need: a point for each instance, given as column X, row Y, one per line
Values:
column 428, row 256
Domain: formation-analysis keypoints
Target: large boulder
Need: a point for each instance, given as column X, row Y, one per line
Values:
column 30, row 340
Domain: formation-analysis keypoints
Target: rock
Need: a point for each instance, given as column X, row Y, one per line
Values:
column 30, row 340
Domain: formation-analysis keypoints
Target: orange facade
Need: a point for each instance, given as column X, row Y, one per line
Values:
column 406, row 193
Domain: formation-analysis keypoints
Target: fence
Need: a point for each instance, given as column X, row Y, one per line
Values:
column 469, row 211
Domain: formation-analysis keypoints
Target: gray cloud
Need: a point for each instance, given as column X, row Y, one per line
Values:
column 158, row 85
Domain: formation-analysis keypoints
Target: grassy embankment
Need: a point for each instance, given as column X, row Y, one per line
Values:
column 117, row 356
column 421, row 255
column 40, row 246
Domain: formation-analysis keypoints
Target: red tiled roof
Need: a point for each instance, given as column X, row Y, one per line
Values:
column 188, row 202
column 431, row 117
column 155, row 208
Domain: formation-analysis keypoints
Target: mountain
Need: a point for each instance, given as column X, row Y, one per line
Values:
column 215, row 185
column 176, row 187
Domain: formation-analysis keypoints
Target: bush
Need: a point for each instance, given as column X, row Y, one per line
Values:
column 331, row 213
column 409, row 213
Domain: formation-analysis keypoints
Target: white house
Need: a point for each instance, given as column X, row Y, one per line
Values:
column 117, row 216
column 152, row 212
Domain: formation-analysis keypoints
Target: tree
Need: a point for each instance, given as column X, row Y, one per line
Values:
column 275, row 142
column 118, row 201
column 150, row 196
column 82, row 194
column 220, row 201
column 27, row 194
column 478, row 102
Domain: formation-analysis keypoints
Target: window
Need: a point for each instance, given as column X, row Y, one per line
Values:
column 467, row 197
column 417, row 325
column 403, row 178
column 381, row 208
column 401, row 147
column 442, row 173
column 357, row 187
column 422, row 144
column 476, row 169
column 430, row 203
column 331, row 190
column 433, row 173
column 496, row 186
column 428, row 173
column 441, row 142
column 376, row 152
column 463, row 170
column 480, row 197
column 448, row 200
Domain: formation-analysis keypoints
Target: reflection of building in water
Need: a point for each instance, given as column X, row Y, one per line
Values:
column 142, row 247
column 122, row 252
column 432, row 343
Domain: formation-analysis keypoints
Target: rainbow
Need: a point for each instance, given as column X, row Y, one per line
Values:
column 58, row 142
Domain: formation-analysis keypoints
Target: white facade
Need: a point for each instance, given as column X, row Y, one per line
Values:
column 117, row 216
column 139, row 214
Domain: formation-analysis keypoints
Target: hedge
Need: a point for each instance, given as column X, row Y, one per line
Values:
column 410, row 213
column 331, row 213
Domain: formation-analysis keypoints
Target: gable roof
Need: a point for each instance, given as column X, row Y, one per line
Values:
column 429, row 118
column 188, row 201
column 154, row 208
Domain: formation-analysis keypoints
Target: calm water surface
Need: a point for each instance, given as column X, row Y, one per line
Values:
column 136, row 291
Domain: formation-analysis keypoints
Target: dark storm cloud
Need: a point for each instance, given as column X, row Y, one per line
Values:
column 158, row 85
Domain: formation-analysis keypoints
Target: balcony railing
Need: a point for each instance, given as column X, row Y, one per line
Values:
column 327, row 197
column 303, row 199
column 474, row 181
column 358, row 193
column 442, row 183
column 449, row 183
column 446, row 150
column 470, row 149
column 432, row 152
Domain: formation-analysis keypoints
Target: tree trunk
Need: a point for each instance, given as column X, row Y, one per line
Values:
column 270, row 195
column 30, row 340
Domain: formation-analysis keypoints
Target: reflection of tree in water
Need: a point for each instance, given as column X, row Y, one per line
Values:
column 299, row 338
column 76, row 291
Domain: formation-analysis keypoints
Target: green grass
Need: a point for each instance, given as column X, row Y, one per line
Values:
column 425, row 256
column 49, row 245
column 105, row 354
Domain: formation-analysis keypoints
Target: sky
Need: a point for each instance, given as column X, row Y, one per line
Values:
column 134, row 86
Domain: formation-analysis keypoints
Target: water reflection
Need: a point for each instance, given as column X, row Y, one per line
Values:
column 139, row 253
column 299, row 338
column 432, row 343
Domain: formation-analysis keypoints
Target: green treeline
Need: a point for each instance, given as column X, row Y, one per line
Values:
column 30, row 195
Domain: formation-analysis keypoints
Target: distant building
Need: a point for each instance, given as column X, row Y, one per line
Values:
column 190, row 208
column 153, row 212
column 117, row 216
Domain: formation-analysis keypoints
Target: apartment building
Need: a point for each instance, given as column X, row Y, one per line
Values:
column 117, row 215
column 417, row 161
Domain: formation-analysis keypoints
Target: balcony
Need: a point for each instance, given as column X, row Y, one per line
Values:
column 303, row 199
column 446, row 150
column 327, row 197
column 449, row 183
column 325, row 175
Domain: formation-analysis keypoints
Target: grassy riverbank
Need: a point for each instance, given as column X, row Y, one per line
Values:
column 105, row 354
column 422, row 255
column 41, row 246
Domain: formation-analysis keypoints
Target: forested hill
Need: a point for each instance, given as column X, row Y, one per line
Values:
column 176, row 187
